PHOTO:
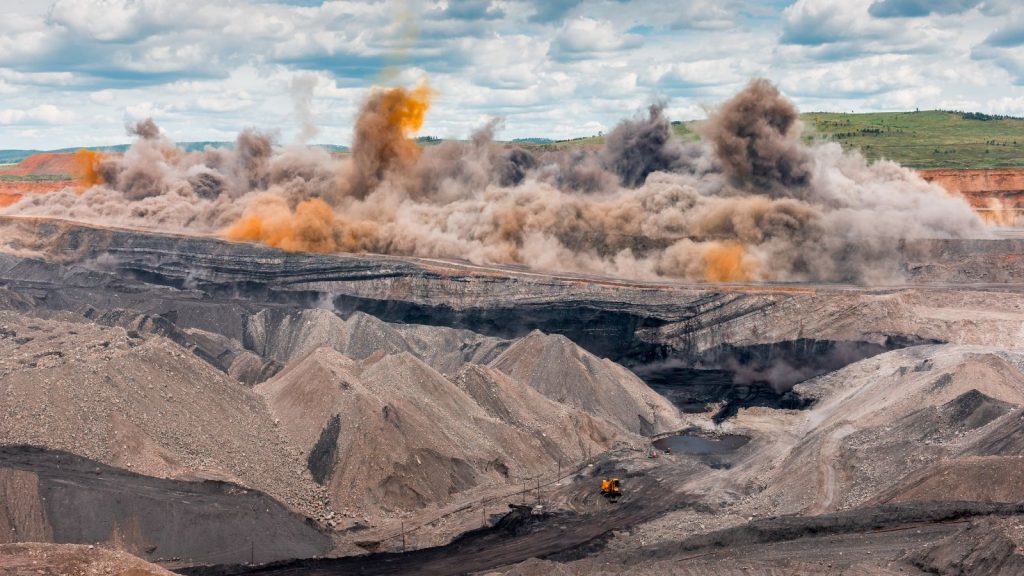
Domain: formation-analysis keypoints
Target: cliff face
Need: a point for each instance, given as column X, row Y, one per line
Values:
column 194, row 286
column 995, row 180
column 997, row 194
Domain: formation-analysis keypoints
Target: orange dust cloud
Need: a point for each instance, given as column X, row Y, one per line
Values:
column 8, row 198
column 724, row 262
column 407, row 108
column 383, row 128
column 268, row 219
column 87, row 168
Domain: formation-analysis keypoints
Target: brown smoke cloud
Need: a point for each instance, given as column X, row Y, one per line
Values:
column 382, row 137
column 749, row 202
column 756, row 137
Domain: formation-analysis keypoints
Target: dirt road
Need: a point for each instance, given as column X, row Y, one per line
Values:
column 517, row 537
column 828, row 481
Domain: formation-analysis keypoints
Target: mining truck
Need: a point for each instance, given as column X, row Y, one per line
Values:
column 611, row 489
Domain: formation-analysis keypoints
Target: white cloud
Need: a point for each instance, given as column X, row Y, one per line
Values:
column 700, row 73
column 1011, row 106
column 587, row 38
column 106, row 21
column 215, row 104
column 125, row 20
column 838, row 30
column 907, row 98
column 42, row 114
column 102, row 96
column 209, row 69
column 143, row 110
column 855, row 78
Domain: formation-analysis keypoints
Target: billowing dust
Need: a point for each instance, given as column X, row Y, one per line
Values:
column 750, row 202
column 87, row 168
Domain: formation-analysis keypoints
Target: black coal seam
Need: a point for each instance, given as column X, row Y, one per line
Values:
column 321, row 457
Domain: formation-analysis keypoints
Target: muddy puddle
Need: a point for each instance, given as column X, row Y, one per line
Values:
column 689, row 443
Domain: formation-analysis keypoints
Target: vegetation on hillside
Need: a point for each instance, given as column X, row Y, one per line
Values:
column 35, row 178
column 929, row 139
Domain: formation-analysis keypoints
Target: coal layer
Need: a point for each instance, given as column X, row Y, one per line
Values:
column 86, row 502
column 733, row 377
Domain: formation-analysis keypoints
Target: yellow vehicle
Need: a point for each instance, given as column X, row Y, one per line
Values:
column 611, row 489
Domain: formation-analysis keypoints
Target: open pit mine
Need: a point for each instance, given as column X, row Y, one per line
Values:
column 746, row 355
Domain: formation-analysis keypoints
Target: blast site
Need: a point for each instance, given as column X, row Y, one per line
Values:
column 732, row 345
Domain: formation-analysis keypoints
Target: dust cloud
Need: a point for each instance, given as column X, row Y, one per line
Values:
column 87, row 168
column 751, row 201
column 303, row 87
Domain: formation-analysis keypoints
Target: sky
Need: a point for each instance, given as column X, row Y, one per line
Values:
column 75, row 72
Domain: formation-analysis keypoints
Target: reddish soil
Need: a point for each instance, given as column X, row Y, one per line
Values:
column 46, row 164
column 12, row 191
column 996, row 194
column 980, row 187
column 984, row 180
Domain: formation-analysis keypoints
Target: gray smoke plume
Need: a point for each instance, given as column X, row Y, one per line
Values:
column 750, row 202
column 635, row 149
column 303, row 86
column 145, row 129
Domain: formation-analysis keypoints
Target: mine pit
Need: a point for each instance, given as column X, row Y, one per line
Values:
column 700, row 445
column 697, row 391
column 726, row 377
column 322, row 387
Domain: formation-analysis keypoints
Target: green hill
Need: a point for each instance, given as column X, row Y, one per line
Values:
column 931, row 139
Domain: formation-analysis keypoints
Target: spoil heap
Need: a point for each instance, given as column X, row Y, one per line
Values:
column 140, row 402
column 284, row 336
column 567, row 374
column 390, row 432
column 68, row 559
column 923, row 423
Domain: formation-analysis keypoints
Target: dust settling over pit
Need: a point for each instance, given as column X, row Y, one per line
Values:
column 749, row 202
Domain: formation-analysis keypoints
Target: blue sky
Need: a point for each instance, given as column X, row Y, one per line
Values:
column 73, row 72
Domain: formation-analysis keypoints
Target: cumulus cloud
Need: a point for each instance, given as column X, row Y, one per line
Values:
column 546, row 11
column 143, row 110
column 817, row 22
column 1003, row 47
column 916, row 8
column 1010, row 35
column 859, row 78
column 582, row 38
column 710, row 72
column 118, row 20
column 553, row 69
column 827, row 31
column 705, row 15
column 42, row 114
column 472, row 10
column 1005, row 105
